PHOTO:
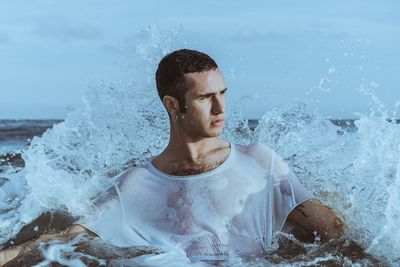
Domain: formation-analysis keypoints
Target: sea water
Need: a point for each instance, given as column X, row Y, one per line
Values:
column 353, row 170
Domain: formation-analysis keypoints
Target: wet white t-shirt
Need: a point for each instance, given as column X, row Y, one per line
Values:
column 234, row 209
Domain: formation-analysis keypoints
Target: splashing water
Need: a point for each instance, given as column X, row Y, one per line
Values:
column 123, row 124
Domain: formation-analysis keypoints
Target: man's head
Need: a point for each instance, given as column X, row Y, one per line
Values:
column 192, row 90
column 170, row 76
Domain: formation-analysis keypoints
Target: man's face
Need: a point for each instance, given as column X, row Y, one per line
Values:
column 205, row 103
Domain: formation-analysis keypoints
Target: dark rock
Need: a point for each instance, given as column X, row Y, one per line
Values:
column 14, row 159
column 292, row 251
column 90, row 250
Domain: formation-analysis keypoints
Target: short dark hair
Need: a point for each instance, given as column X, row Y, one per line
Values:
column 170, row 73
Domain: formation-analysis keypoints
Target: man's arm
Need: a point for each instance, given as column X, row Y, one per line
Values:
column 316, row 218
column 11, row 253
column 76, row 228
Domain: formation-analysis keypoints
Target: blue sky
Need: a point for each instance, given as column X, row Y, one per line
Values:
column 271, row 52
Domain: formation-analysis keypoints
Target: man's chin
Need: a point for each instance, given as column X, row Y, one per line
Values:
column 209, row 133
column 216, row 132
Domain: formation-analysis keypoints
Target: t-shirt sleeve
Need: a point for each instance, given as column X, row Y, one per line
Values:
column 109, row 223
column 285, row 190
column 106, row 222
column 288, row 194
column 267, row 210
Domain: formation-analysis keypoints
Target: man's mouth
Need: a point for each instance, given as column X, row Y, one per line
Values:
column 217, row 122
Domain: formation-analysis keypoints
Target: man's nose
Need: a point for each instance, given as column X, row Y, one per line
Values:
column 218, row 105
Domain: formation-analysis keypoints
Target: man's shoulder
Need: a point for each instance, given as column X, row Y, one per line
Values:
column 255, row 149
column 132, row 175
column 265, row 157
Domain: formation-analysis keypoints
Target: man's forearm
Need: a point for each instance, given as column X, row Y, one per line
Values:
column 10, row 254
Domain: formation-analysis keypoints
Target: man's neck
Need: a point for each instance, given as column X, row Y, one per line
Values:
column 184, row 157
column 192, row 151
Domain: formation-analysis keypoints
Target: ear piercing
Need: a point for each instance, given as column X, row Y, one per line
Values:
column 175, row 118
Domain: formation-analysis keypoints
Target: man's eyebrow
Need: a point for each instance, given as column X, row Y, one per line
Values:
column 210, row 94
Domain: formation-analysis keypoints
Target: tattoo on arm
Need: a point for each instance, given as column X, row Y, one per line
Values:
column 300, row 208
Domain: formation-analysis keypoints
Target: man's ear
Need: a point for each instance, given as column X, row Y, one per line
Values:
column 171, row 104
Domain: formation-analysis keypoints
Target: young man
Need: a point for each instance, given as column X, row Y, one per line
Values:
column 203, row 195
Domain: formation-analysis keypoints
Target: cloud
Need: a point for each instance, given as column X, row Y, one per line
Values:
column 63, row 29
column 250, row 35
column 4, row 38
column 286, row 36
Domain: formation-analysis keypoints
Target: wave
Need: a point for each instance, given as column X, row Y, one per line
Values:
column 122, row 125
